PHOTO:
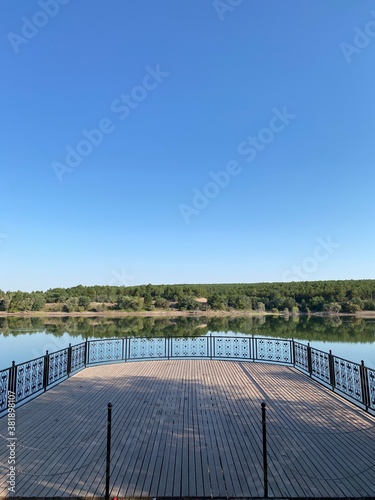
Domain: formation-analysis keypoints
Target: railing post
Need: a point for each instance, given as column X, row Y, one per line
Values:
column 12, row 384
column 130, row 340
column 364, row 384
column 210, row 346
column 253, row 347
column 108, row 460
column 264, row 436
column 69, row 361
column 293, row 353
column 309, row 360
column 87, row 353
column 169, row 339
column 46, row 371
column 331, row 363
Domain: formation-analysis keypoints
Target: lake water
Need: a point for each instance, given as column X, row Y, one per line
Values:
column 22, row 339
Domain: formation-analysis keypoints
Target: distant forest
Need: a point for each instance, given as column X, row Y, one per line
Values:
column 330, row 297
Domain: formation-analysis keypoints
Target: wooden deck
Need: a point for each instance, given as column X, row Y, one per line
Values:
column 191, row 428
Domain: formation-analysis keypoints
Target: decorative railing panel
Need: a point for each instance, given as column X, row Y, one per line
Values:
column 153, row 348
column 78, row 359
column 353, row 381
column 58, row 365
column 348, row 378
column 371, row 387
column 301, row 356
column 103, row 351
column 29, row 378
column 232, row 348
column 320, row 365
column 273, row 350
column 190, row 347
column 4, row 384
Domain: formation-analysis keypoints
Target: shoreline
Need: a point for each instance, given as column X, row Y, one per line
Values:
column 170, row 314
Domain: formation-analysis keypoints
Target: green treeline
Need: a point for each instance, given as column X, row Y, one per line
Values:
column 332, row 297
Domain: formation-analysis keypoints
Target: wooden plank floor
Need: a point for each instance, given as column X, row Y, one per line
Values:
column 191, row 428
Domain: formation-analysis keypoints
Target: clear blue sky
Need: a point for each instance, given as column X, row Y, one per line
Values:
column 182, row 91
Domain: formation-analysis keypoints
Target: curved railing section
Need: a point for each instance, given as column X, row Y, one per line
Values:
column 353, row 381
column 210, row 347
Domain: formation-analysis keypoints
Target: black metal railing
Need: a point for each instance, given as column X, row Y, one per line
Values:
column 353, row 381
column 34, row 377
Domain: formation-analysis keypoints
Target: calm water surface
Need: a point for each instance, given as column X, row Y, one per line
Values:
column 22, row 339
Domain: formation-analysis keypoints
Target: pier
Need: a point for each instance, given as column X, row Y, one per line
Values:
column 192, row 428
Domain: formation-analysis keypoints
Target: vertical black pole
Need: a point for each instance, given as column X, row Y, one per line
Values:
column 331, row 363
column 293, row 353
column 87, row 361
column 108, row 464
column 69, row 361
column 12, row 384
column 264, row 433
column 364, row 384
column 210, row 346
column 309, row 360
column 46, row 371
